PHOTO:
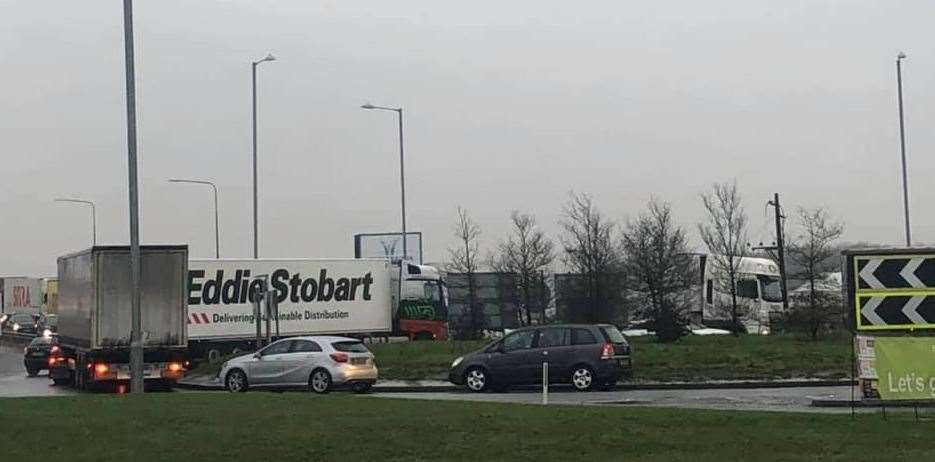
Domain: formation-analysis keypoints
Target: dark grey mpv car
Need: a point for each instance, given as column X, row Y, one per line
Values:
column 583, row 355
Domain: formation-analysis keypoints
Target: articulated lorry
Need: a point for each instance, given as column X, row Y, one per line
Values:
column 313, row 296
column 94, row 316
column 759, row 297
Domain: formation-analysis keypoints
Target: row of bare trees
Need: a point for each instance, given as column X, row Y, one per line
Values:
column 648, row 261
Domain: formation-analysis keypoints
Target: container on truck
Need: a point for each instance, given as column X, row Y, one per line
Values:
column 313, row 297
column 94, row 316
column 21, row 295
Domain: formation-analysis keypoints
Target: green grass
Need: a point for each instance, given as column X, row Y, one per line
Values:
column 419, row 360
column 302, row 427
column 693, row 358
column 722, row 357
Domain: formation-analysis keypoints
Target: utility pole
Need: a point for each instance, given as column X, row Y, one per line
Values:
column 780, row 250
column 136, row 337
column 902, row 143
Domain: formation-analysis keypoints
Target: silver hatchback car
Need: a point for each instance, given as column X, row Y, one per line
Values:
column 318, row 363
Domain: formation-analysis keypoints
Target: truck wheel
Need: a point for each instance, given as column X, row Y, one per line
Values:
column 236, row 381
column 423, row 336
column 320, row 381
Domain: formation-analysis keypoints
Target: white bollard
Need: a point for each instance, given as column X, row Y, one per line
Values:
column 545, row 383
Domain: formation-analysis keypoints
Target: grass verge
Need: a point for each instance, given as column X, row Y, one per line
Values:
column 693, row 358
column 301, row 427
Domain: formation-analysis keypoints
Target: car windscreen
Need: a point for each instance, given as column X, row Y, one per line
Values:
column 350, row 347
column 614, row 335
column 22, row 319
column 40, row 341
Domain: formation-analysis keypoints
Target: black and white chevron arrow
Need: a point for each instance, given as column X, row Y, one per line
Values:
column 897, row 272
column 897, row 311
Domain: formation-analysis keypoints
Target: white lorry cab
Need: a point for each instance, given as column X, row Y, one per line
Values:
column 759, row 294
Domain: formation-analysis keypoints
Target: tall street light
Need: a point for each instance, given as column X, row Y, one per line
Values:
column 902, row 141
column 93, row 216
column 217, row 231
column 269, row 57
column 402, row 170
column 136, row 319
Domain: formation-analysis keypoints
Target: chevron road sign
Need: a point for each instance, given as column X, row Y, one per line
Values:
column 892, row 289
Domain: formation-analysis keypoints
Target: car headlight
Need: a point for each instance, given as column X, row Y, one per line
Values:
column 47, row 333
column 15, row 326
column 457, row 361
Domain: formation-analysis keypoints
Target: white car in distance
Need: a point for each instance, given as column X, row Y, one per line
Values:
column 316, row 363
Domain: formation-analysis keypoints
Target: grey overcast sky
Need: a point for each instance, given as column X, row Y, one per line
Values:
column 509, row 105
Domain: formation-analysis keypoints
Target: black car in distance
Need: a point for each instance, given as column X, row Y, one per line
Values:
column 36, row 354
column 584, row 355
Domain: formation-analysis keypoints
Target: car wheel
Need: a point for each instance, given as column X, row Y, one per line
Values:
column 476, row 379
column 582, row 378
column 320, row 381
column 360, row 387
column 236, row 381
column 214, row 355
column 32, row 372
column 60, row 382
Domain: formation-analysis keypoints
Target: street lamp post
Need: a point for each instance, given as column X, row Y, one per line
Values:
column 402, row 170
column 217, row 231
column 136, row 319
column 902, row 142
column 93, row 217
column 254, row 64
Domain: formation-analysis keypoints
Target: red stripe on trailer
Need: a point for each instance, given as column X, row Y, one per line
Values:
column 189, row 319
column 204, row 317
column 194, row 317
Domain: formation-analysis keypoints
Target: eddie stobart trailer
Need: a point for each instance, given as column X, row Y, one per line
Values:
column 315, row 296
column 94, row 316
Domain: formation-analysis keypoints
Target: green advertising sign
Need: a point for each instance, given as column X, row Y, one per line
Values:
column 905, row 367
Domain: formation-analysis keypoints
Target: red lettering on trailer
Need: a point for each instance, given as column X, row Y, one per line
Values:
column 21, row 297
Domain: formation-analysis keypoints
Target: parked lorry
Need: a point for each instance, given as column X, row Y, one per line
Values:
column 94, row 316
column 21, row 295
column 759, row 297
column 313, row 296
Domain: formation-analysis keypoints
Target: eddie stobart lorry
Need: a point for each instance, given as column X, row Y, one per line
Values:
column 314, row 296
column 94, row 316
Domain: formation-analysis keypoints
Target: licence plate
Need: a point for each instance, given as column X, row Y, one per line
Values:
column 36, row 353
column 358, row 361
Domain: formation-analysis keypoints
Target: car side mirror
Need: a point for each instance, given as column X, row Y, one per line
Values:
column 257, row 355
column 501, row 348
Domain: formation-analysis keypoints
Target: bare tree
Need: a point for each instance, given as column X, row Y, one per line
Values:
column 812, row 251
column 591, row 252
column 725, row 235
column 526, row 253
column 658, row 266
column 465, row 259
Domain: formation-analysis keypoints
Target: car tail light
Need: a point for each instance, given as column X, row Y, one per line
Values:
column 608, row 351
column 174, row 367
column 339, row 357
column 101, row 369
column 54, row 349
